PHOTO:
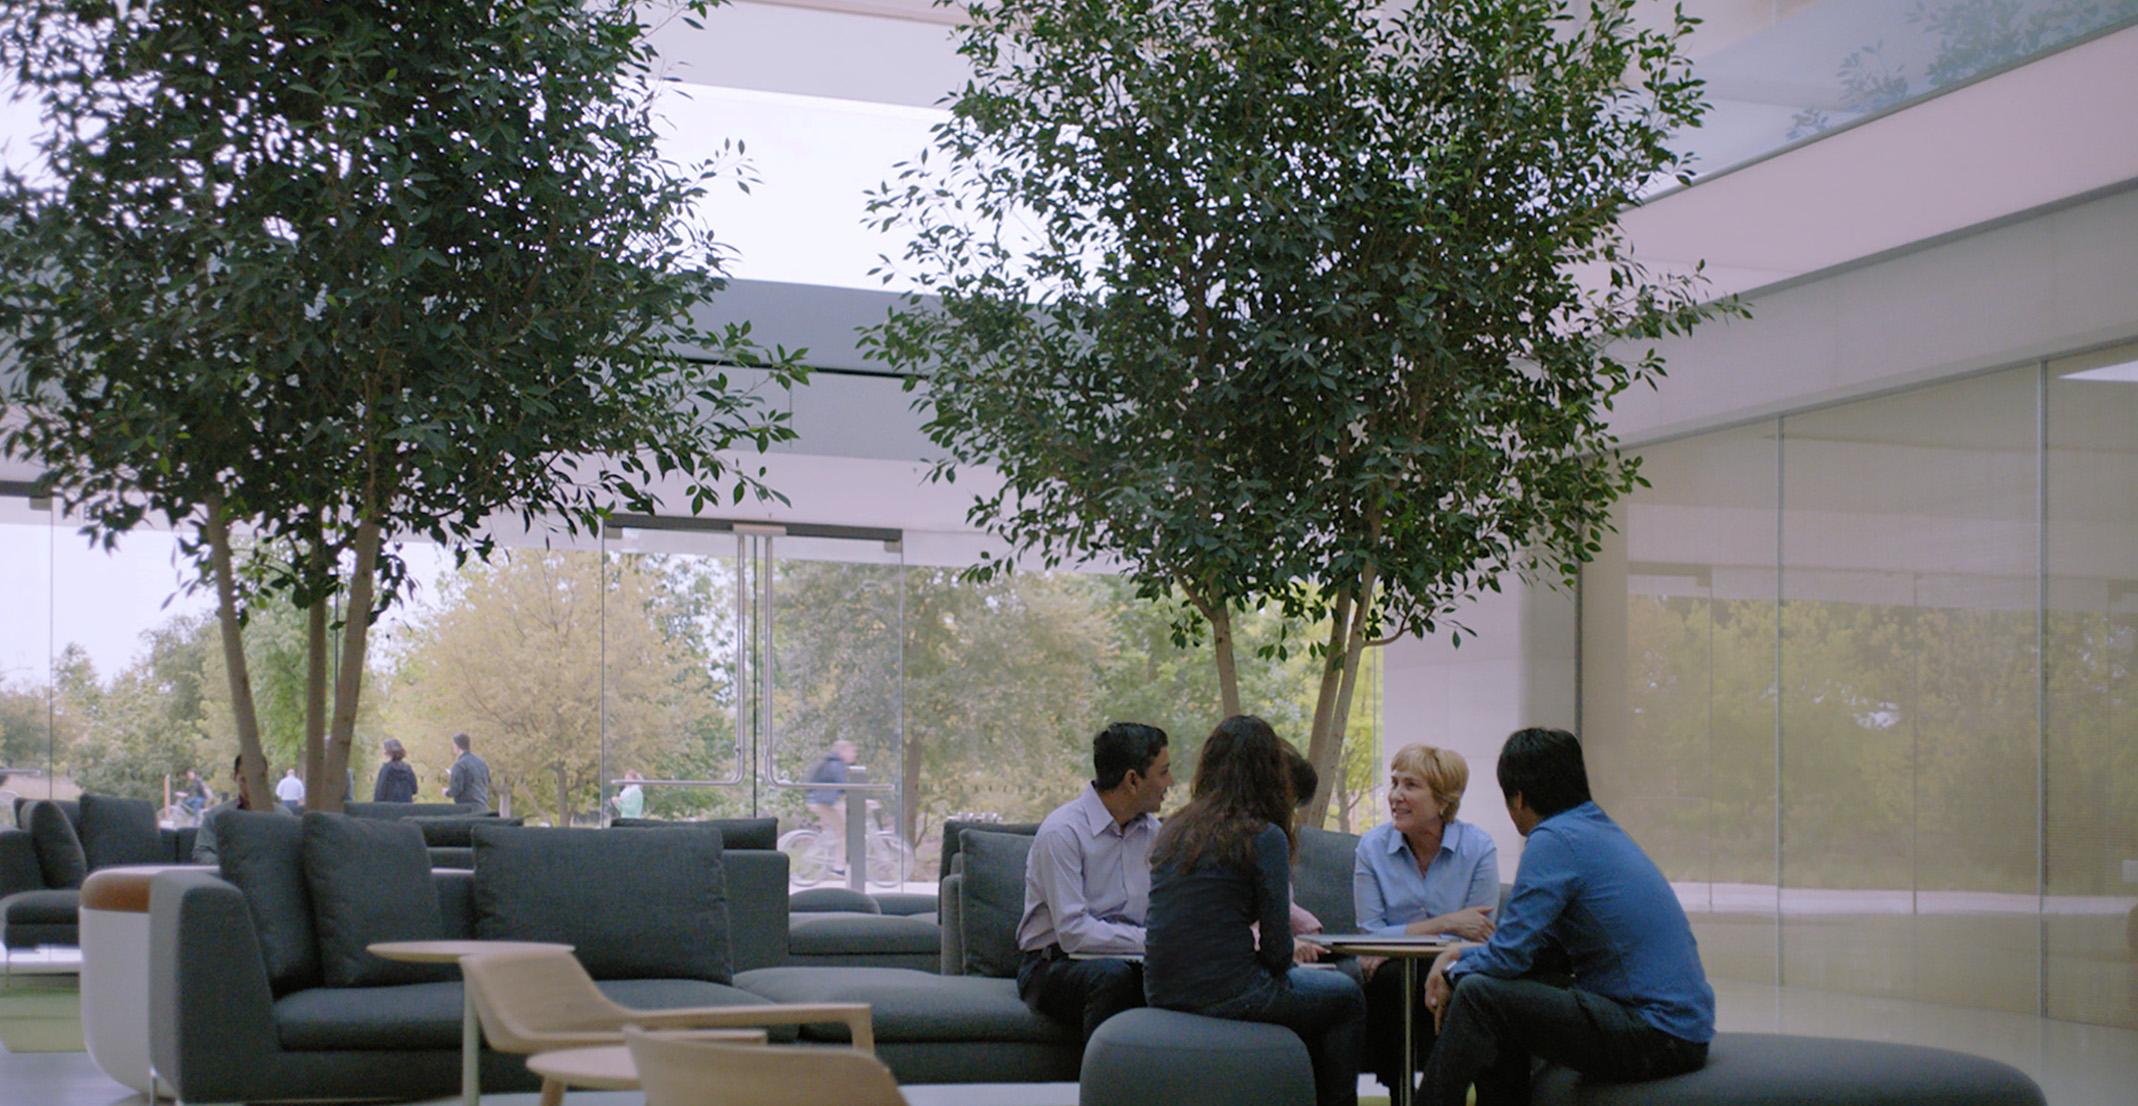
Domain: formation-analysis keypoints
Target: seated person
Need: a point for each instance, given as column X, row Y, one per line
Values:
column 204, row 849
column 1421, row 872
column 1221, row 868
column 1639, row 1006
column 1087, row 884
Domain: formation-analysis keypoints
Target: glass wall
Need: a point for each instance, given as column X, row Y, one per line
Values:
column 1858, row 677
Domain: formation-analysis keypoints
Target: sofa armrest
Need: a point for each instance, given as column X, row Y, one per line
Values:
column 19, row 870
column 951, row 916
column 211, row 1009
column 758, row 916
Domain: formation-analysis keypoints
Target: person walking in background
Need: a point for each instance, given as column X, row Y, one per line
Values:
column 397, row 780
column 829, row 804
column 469, row 781
column 197, row 798
column 1224, row 865
column 1420, row 873
column 289, row 788
column 631, row 799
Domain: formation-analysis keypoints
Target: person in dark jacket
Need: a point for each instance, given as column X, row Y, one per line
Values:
column 397, row 780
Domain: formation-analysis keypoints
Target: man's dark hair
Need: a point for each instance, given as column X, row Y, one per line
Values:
column 460, row 740
column 1305, row 780
column 1121, row 747
column 1546, row 769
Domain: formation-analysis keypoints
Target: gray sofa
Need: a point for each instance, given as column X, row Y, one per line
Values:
column 56, row 844
column 965, row 1022
column 259, row 989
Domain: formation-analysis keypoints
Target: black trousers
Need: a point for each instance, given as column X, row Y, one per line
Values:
column 1496, row 1028
column 1384, row 1024
column 1080, row 992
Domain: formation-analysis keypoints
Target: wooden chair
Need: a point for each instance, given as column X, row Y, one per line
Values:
column 677, row 1071
column 531, row 1001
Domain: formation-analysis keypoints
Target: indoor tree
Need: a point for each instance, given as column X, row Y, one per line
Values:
column 333, row 276
column 1319, row 302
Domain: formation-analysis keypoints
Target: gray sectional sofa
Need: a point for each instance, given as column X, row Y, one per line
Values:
column 55, row 844
column 259, row 987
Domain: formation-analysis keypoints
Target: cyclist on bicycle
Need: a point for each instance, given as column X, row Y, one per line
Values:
column 829, row 805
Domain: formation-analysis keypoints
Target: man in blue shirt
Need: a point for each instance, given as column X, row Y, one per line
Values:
column 1087, row 884
column 1639, row 1007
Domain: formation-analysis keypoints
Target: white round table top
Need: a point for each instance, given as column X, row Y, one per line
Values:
column 451, row 951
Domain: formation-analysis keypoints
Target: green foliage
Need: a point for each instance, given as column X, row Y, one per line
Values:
column 1313, row 302
column 127, row 736
column 329, row 272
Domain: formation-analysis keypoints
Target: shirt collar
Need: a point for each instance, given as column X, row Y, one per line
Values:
column 1098, row 820
column 1450, row 837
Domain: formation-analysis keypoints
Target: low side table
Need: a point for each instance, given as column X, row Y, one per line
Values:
column 471, row 1031
column 114, row 942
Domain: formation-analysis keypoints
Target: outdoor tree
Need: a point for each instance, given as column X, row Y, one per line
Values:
column 337, row 275
column 540, row 657
column 1319, row 302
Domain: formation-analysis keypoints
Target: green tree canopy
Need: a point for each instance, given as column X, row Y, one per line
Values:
column 1321, row 302
column 338, row 273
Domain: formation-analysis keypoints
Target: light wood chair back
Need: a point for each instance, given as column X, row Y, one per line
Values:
column 535, row 1000
column 676, row 1071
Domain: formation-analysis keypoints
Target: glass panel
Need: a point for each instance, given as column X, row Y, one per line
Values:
column 1907, row 697
column 1677, row 677
column 26, row 536
column 2090, row 922
column 835, row 637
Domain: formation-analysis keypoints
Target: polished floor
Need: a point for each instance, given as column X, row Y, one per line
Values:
column 2077, row 1065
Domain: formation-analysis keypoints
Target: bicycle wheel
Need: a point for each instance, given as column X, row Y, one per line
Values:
column 890, row 858
column 808, row 859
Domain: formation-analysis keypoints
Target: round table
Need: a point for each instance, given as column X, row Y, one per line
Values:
column 451, row 952
column 1409, row 952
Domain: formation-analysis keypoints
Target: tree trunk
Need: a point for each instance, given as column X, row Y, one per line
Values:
column 252, row 758
column 356, row 641
column 317, row 792
column 1228, row 670
column 564, row 798
column 909, row 783
column 1342, row 657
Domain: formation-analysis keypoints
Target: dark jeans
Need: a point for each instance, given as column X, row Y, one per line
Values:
column 1325, row 1008
column 1080, row 992
column 1384, row 1024
column 1496, row 1027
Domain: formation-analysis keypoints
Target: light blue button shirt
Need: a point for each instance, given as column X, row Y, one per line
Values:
column 1387, row 893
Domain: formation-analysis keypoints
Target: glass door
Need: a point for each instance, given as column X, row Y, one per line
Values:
column 791, row 702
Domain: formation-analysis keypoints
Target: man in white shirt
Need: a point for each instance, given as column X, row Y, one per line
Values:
column 289, row 788
column 1087, row 884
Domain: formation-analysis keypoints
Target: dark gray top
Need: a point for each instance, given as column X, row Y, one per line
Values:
column 469, row 781
column 1200, row 950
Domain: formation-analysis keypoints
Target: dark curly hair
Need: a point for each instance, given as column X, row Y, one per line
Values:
column 1242, row 782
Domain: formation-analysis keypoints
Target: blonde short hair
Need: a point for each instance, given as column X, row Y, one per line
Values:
column 1443, row 770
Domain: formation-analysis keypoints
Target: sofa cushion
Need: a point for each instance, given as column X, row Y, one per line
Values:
column 408, row 1016
column 404, row 811
column 991, row 900
column 837, row 933
column 844, row 900
column 908, row 1005
column 662, row 897
column 455, row 831
column 370, row 881
column 262, row 854
column 59, row 848
column 1321, row 878
column 120, row 831
column 735, row 833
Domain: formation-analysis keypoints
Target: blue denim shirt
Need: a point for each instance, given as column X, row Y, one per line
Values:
column 1584, row 885
column 1387, row 893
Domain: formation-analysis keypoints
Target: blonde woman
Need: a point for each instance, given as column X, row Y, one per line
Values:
column 1422, row 872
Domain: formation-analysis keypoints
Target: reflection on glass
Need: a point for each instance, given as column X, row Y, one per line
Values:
column 2090, row 923
column 1781, row 73
column 1678, row 668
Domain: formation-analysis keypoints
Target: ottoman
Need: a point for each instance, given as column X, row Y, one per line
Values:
column 1771, row 1069
column 1153, row 1057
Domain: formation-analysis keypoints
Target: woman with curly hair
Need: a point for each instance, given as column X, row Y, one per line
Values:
column 1221, row 867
